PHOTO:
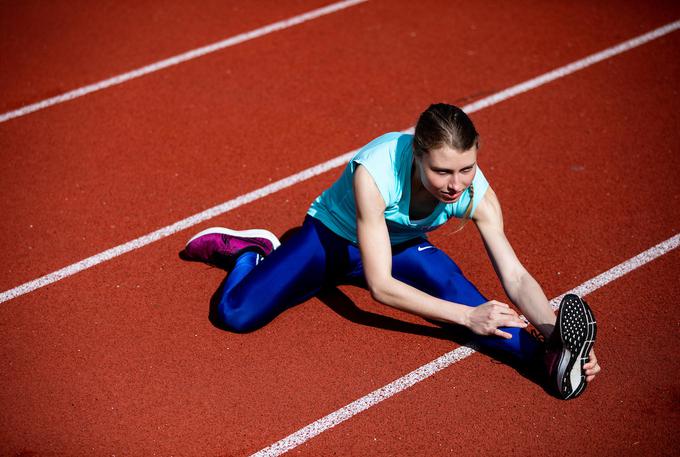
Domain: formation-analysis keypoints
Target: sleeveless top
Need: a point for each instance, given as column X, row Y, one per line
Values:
column 388, row 159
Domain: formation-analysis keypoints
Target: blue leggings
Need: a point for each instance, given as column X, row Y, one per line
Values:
column 256, row 291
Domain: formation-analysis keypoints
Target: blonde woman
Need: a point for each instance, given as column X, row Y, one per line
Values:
column 370, row 228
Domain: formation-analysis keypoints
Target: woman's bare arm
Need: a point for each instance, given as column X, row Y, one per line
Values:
column 521, row 287
column 376, row 255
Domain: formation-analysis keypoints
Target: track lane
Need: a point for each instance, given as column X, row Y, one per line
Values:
column 321, row 168
column 482, row 407
column 106, row 186
column 149, row 353
column 571, row 152
column 55, row 47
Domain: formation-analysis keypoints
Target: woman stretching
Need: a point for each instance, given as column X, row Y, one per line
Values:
column 370, row 228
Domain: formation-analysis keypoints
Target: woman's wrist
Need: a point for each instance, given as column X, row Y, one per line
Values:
column 461, row 314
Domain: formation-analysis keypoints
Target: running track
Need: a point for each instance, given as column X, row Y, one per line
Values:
column 121, row 359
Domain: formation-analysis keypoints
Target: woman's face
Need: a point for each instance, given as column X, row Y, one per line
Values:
column 447, row 172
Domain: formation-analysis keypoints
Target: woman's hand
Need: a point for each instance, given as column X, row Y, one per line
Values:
column 592, row 367
column 485, row 319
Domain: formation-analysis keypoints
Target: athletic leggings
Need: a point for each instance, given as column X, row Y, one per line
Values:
column 257, row 290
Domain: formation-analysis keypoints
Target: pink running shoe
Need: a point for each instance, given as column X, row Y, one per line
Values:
column 568, row 347
column 218, row 246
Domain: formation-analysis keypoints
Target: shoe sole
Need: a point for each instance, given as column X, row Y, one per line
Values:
column 578, row 330
column 254, row 233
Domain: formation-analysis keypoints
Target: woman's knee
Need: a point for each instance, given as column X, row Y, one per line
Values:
column 235, row 315
column 236, row 320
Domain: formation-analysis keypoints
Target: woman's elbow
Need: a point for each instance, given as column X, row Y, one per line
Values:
column 513, row 283
column 378, row 289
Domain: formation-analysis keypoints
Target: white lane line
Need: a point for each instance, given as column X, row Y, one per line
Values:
column 316, row 170
column 315, row 428
column 574, row 66
column 621, row 269
column 180, row 58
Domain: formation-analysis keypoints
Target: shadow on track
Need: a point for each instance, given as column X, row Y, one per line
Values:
column 336, row 300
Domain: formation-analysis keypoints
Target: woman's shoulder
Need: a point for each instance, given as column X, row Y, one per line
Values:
column 488, row 207
column 394, row 147
column 390, row 140
column 388, row 160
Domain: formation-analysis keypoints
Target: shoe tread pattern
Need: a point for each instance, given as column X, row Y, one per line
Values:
column 577, row 330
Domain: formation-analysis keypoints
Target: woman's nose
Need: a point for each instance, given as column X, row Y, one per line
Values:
column 456, row 185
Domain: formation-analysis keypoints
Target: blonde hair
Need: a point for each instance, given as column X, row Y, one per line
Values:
column 468, row 210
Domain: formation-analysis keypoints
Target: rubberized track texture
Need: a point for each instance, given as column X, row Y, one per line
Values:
column 118, row 357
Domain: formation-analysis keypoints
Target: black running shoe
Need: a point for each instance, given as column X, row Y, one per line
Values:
column 568, row 347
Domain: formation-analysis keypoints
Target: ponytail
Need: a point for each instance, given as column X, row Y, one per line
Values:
column 468, row 210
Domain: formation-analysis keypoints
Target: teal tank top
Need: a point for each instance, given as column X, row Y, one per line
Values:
column 388, row 159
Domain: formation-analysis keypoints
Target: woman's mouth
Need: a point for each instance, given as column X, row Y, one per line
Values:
column 450, row 197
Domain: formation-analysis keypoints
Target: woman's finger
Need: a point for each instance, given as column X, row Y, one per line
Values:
column 512, row 323
column 592, row 370
column 508, row 312
column 502, row 334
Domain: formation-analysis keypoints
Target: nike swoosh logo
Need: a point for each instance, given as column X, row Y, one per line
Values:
column 422, row 248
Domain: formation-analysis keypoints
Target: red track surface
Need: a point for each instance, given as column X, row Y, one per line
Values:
column 121, row 359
